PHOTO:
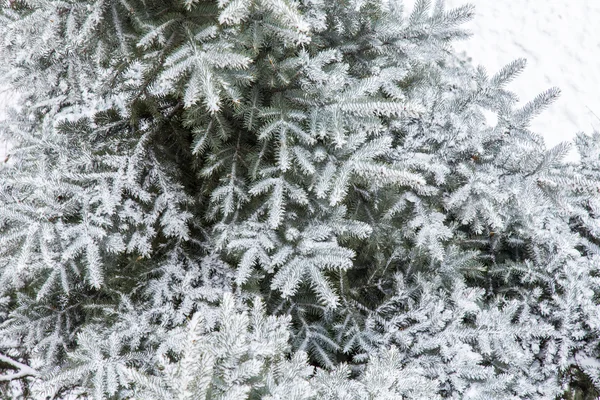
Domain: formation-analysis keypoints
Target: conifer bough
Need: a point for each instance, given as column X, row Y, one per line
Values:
column 276, row 199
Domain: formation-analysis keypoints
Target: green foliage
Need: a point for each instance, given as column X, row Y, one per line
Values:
column 285, row 199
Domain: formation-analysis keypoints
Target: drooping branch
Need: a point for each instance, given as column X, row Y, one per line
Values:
column 22, row 369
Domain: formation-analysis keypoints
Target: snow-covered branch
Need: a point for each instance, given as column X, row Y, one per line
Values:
column 22, row 369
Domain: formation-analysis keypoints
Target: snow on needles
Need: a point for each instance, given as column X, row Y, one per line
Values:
column 559, row 39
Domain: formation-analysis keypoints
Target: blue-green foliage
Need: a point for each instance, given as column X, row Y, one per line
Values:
column 243, row 199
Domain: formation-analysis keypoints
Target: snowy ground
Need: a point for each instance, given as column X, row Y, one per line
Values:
column 559, row 39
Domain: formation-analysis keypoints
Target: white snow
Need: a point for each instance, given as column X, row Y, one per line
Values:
column 559, row 39
column 4, row 101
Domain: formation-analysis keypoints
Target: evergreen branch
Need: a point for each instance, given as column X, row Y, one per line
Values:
column 22, row 369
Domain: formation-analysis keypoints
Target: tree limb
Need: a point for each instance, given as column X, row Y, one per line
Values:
column 22, row 369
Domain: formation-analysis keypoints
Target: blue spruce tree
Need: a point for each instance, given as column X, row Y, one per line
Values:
column 279, row 199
